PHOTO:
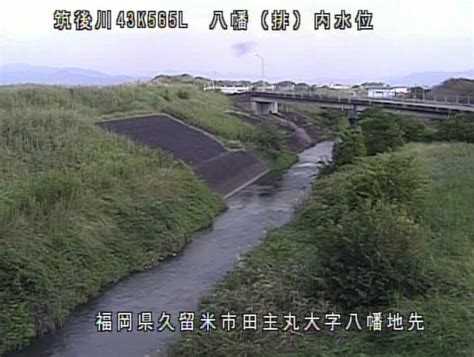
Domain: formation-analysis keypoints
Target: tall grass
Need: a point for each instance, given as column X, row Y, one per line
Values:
column 206, row 110
column 81, row 208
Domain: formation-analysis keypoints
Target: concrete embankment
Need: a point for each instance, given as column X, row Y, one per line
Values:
column 231, row 171
column 224, row 171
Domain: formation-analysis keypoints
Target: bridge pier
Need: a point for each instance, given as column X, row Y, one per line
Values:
column 352, row 114
column 264, row 107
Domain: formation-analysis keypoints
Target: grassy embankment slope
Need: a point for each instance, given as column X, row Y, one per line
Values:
column 81, row 208
column 416, row 249
column 328, row 122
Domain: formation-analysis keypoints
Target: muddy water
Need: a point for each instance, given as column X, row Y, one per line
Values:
column 179, row 283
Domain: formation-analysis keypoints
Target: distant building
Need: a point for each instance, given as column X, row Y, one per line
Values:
column 367, row 85
column 263, row 86
column 339, row 86
column 380, row 92
column 302, row 87
column 285, row 86
column 401, row 91
column 228, row 89
column 385, row 91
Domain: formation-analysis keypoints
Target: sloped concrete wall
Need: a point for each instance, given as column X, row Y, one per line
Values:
column 231, row 171
column 184, row 141
column 224, row 171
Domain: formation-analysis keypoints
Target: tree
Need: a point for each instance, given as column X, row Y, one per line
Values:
column 349, row 149
column 381, row 131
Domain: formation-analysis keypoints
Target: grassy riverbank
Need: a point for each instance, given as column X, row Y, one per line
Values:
column 328, row 122
column 285, row 273
column 81, row 208
column 206, row 110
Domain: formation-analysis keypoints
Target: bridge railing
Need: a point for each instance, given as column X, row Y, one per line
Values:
column 339, row 95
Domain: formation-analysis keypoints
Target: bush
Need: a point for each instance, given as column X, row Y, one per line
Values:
column 371, row 256
column 369, row 245
column 349, row 149
column 413, row 130
column 393, row 177
column 381, row 132
column 335, row 119
column 458, row 128
column 269, row 139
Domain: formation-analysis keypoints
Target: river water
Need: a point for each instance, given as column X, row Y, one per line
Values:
column 179, row 283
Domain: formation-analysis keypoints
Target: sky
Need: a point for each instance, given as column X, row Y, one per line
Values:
column 408, row 36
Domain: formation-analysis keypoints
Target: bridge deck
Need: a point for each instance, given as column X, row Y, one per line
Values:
column 440, row 107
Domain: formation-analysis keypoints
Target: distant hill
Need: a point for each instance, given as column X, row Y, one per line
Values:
column 22, row 73
column 429, row 78
column 455, row 87
column 203, row 81
column 182, row 78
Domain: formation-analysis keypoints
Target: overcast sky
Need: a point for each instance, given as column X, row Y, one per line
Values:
column 408, row 36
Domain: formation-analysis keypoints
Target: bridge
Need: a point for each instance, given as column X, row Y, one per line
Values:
column 264, row 102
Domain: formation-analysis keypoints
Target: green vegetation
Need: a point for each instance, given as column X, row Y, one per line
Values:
column 270, row 140
column 328, row 122
column 414, row 130
column 282, row 273
column 203, row 109
column 381, row 131
column 81, row 208
column 350, row 147
column 385, row 131
column 458, row 128
column 391, row 232
column 462, row 87
column 369, row 247
column 206, row 110
column 182, row 94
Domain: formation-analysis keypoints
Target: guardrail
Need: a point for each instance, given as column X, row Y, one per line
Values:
column 427, row 98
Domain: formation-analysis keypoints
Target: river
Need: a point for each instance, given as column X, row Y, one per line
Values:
column 179, row 283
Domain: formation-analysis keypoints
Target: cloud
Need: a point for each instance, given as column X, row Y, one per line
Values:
column 244, row 48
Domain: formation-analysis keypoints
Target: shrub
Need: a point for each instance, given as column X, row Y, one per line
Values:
column 458, row 128
column 381, row 132
column 413, row 130
column 269, row 138
column 349, row 149
column 335, row 119
column 371, row 256
column 392, row 177
column 369, row 245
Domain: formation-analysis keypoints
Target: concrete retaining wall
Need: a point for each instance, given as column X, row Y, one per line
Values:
column 232, row 171
column 224, row 171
